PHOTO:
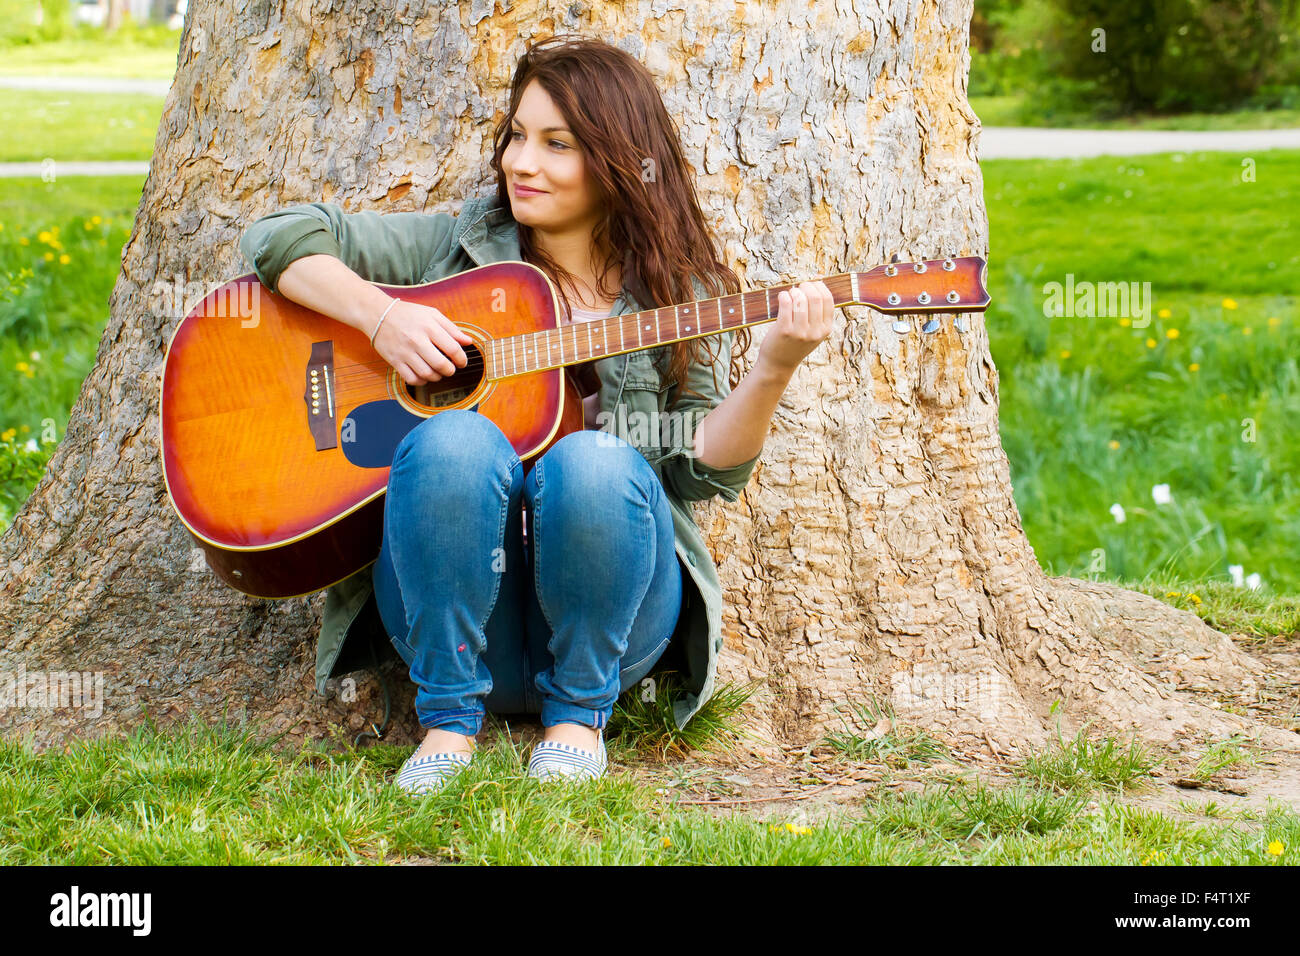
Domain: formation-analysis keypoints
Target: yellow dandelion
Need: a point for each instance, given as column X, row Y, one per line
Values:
column 1274, row 321
column 797, row 829
column 8, row 434
column 1126, row 322
column 45, row 235
column 1229, row 303
column 2, row 227
column 54, row 229
column 103, row 242
column 1194, row 367
column 1114, row 445
column 1194, row 599
column 22, row 366
column 24, row 428
column 96, row 220
column 1164, row 313
column 24, row 241
column 1173, row 593
column 30, row 373
column 1151, row 343
column 1247, row 330
column 667, row 843
column 1065, row 353
column 87, row 226
column 65, row 259
column 49, row 257
column 1276, row 848
column 1171, row 333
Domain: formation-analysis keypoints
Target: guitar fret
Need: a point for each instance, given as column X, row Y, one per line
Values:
column 514, row 359
column 590, row 345
column 561, row 338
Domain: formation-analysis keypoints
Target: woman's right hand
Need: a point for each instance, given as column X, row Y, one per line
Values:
column 421, row 343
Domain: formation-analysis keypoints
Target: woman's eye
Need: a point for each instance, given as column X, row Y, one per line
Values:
column 554, row 142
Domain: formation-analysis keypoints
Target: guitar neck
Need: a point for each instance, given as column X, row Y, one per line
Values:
column 941, row 285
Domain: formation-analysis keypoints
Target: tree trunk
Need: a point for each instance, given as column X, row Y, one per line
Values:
column 877, row 549
column 113, row 17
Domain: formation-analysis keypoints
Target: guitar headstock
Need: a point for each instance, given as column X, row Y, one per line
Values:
column 926, row 286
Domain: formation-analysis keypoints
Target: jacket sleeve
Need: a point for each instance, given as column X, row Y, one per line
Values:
column 389, row 248
column 682, row 474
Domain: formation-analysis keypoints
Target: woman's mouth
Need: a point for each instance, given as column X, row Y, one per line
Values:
column 523, row 191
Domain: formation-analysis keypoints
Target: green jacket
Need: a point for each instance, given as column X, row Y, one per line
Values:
column 410, row 248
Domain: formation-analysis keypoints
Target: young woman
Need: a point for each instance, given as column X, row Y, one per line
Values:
column 592, row 187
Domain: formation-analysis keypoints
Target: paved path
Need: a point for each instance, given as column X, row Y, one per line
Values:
column 1017, row 142
column 123, row 168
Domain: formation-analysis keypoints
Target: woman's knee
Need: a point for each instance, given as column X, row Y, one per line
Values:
column 457, row 442
column 590, row 463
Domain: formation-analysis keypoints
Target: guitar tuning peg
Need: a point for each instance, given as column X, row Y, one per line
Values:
column 894, row 257
column 959, row 322
column 931, row 325
column 902, row 326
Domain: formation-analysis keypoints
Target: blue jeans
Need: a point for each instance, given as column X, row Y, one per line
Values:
column 559, row 627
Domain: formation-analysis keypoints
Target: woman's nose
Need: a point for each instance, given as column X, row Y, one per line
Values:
column 526, row 159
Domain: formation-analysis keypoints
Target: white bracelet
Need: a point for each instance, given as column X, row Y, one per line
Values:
column 381, row 320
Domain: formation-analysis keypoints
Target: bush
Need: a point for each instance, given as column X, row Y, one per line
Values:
column 1167, row 56
column 19, row 21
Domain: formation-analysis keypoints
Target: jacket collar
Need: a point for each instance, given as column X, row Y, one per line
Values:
column 486, row 231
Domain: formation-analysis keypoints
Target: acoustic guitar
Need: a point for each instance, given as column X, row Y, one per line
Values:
column 279, row 424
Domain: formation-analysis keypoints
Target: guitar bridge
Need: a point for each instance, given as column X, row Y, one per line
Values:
column 319, row 396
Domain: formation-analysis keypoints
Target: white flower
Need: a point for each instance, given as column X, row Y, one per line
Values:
column 1118, row 511
column 36, row 356
column 1161, row 494
column 31, row 445
column 1253, row 581
column 1235, row 571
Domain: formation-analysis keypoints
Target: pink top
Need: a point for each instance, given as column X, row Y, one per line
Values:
column 590, row 404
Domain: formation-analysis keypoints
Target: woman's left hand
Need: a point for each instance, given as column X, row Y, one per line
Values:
column 803, row 322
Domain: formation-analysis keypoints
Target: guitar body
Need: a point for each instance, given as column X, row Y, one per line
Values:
column 278, row 424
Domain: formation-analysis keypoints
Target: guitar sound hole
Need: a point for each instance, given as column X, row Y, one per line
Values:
column 448, row 391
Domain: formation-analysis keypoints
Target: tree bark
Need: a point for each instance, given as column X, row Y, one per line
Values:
column 877, row 551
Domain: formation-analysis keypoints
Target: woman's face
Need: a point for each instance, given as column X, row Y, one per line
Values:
column 544, row 155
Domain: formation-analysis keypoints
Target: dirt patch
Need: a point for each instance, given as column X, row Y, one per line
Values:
column 1197, row 777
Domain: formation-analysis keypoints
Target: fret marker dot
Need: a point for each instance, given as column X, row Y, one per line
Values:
column 688, row 328
column 729, row 311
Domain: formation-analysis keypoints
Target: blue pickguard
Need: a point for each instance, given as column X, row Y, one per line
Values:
column 371, row 433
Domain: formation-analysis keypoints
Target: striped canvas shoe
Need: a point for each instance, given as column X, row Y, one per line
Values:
column 552, row 760
column 428, row 774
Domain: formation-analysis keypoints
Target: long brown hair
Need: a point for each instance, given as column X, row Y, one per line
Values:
column 652, row 222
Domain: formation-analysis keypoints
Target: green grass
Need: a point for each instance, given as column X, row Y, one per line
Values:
column 643, row 719
column 136, row 53
column 52, row 314
column 882, row 740
column 1096, row 412
column 219, row 795
column 1086, row 764
column 77, row 126
column 1023, row 110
